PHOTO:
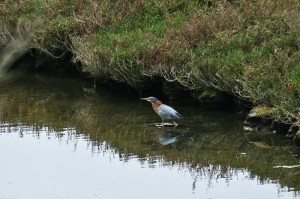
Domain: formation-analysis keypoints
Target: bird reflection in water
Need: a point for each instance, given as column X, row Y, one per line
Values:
column 169, row 137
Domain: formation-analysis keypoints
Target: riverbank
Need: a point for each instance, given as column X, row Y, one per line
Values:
column 245, row 49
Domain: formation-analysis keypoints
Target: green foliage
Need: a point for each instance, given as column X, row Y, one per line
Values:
column 32, row 9
column 294, row 78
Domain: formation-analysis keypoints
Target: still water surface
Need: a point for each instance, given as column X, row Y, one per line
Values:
column 62, row 138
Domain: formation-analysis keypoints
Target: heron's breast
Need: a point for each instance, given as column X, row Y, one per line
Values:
column 156, row 107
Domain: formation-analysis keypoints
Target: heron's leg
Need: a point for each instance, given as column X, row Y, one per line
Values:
column 175, row 124
column 163, row 123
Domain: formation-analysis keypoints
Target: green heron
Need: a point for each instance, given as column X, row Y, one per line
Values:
column 166, row 112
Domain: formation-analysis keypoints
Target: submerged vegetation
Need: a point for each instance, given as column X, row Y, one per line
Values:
column 249, row 49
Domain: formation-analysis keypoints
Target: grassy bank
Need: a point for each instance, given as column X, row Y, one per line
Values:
column 249, row 49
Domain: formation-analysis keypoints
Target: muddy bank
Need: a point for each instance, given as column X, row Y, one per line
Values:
column 260, row 119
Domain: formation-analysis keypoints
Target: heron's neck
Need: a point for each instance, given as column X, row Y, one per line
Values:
column 156, row 104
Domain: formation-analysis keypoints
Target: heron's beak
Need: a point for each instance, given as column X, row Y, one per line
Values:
column 146, row 99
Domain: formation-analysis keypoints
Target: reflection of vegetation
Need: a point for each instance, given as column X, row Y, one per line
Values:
column 218, row 142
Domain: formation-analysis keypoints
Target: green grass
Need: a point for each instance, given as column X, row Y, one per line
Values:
column 294, row 78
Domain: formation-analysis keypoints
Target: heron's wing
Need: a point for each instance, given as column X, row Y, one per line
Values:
column 179, row 116
column 167, row 112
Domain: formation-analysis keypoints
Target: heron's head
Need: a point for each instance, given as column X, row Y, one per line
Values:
column 153, row 100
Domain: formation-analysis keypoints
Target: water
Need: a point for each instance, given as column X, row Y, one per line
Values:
column 61, row 138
